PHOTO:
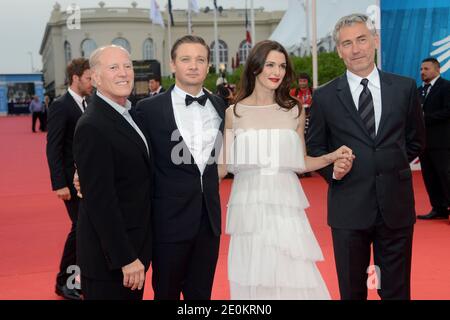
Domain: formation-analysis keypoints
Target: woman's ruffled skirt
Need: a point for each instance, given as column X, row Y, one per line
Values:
column 273, row 250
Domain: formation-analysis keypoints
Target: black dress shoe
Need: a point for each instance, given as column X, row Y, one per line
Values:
column 66, row 293
column 433, row 215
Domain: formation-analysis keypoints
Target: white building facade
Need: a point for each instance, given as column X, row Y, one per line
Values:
column 131, row 27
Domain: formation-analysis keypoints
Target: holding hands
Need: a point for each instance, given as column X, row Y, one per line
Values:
column 343, row 162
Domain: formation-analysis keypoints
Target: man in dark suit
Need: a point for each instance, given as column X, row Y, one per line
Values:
column 184, row 125
column 371, row 202
column 63, row 115
column 114, row 236
column 435, row 160
column 154, row 85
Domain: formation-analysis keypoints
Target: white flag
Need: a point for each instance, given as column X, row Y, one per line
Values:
column 194, row 6
column 155, row 14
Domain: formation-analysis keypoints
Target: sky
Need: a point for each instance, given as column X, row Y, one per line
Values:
column 22, row 22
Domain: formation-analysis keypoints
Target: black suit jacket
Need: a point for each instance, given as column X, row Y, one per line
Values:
column 114, row 224
column 381, row 177
column 436, row 110
column 63, row 115
column 179, row 189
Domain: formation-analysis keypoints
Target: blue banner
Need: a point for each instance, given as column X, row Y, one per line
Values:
column 413, row 30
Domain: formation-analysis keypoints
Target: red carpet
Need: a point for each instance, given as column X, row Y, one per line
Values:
column 34, row 224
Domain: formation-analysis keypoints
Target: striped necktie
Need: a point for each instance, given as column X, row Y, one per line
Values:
column 366, row 109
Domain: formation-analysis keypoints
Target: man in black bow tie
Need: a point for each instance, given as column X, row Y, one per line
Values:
column 184, row 125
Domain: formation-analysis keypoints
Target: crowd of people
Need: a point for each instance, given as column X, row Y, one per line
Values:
column 141, row 182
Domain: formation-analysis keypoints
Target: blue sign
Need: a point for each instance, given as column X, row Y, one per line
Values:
column 413, row 30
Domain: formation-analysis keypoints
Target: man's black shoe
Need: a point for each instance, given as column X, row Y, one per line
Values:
column 433, row 215
column 66, row 293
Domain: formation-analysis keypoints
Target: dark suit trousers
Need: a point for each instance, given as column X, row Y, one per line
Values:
column 108, row 290
column 186, row 267
column 435, row 165
column 34, row 117
column 69, row 257
column 392, row 256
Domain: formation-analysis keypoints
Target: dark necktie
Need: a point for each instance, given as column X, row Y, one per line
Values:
column 424, row 92
column 366, row 109
column 84, row 104
column 201, row 100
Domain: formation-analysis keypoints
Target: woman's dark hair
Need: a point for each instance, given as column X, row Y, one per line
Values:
column 255, row 65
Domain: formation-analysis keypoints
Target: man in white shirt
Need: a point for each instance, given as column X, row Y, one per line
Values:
column 113, row 158
column 184, row 125
column 378, row 116
column 435, row 160
column 154, row 85
column 63, row 116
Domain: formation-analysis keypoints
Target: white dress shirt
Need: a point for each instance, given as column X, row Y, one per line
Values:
column 374, row 85
column 432, row 82
column 197, row 124
column 125, row 112
column 78, row 99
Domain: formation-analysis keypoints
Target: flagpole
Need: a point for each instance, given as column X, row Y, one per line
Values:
column 216, row 40
column 169, row 35
column 314, row 44
column 378, row 24
column 189, row 18
column 252, row 17
column 308, row 38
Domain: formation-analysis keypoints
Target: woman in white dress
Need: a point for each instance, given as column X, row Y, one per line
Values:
column 273, row 251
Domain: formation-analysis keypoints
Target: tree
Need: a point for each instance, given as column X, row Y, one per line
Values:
column 330, row 67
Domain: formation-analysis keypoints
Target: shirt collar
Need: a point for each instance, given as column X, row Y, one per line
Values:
column 120, row 109
column 78, row 99
column 181, row 93
column 354, row 80
column 432, row 82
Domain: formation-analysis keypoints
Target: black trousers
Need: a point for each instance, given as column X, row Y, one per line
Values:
column 435, row 165
column 186, row 267
column 69, row 254
column 392, row 250
column 34, row 117
column 108, row 290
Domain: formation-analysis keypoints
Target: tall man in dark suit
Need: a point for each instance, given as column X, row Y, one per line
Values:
column 435, row 160
column 114, row 236
column 184, row 125
column 378, row 116
column 63, row 115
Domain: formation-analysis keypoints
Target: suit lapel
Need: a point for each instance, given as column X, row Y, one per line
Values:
column 75, row 107
column 169, row 118
column 434, row 90
column 387, row 93
column 122, row 125
column 345, row 96
column 219, row 138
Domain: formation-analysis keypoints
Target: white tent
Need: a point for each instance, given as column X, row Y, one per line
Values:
column 291, row 31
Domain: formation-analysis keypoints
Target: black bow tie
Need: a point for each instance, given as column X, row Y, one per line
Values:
column 201, row 100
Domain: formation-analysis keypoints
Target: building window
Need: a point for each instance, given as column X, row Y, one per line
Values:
column 244, row 50
column 67, row 52
column 148, row 50
column 223, row 53
column 87, row 47
column 123, row 43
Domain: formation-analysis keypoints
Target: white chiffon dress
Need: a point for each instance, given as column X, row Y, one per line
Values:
column 273, row 251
